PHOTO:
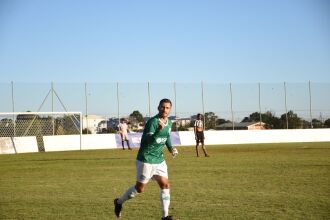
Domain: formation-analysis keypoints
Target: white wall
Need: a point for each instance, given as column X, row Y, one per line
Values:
column 22, row 145
column 108, row 141
column 72, row 142
column 258, row 136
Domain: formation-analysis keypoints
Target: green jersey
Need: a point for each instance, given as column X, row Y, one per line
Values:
column 153, row 141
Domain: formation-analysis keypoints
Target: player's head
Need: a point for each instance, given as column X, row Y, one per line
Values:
column 199, row 116
column 164, row 107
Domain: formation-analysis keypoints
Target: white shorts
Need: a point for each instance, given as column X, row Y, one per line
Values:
column 124, row 136
column 146, row 171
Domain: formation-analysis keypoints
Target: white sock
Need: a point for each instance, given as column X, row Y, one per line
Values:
column 129, row 194
column 165, row 200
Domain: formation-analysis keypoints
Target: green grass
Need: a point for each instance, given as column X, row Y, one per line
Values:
column 264, row 181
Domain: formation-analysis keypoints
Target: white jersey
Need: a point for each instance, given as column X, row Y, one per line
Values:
column 123, row 128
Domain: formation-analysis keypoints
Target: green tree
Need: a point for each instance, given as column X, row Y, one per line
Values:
column 137, row 116
column 271, row 121
column 135, row 120
column 327, row 123
column 317, row 123
column 210, row 120
column 294, row 122
column 220, row 121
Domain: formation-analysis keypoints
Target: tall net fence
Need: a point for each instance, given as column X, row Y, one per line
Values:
column 39, row 125
column 284, row 105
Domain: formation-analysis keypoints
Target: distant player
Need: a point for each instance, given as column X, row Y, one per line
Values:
column 123, row 130
column 199, row 134
column 150, row 163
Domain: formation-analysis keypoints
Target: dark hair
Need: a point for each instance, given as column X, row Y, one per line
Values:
column 165, row 101
column 199, row 114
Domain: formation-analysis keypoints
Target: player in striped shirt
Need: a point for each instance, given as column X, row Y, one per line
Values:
column 199, row 134
column 150, row 163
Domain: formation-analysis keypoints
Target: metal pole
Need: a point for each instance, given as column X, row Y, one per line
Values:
column 176, row 121
column 260, row 117
column 118, row 101
column 52, row 88
column 13, row 106
column 14, row 124
column 231, row 106
column 286, row 108
column 80, row 138
column 310, row 103
column 202, row 85
column 86, row 102
column 149, row 99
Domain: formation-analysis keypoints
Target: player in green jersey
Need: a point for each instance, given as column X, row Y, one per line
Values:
column 150, row 162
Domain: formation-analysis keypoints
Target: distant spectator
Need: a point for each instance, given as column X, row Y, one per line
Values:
column 123, row 130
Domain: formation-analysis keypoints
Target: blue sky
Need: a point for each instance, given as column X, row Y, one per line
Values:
column 165, row 41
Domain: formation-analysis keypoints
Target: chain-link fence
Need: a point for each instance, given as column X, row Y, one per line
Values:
column 278, row 105
column 39, row 124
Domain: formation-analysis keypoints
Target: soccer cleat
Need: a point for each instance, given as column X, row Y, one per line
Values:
column 118, row 208
column 169, row 217
column 207, row 155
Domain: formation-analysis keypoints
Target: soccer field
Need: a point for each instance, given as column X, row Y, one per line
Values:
column 263, row 181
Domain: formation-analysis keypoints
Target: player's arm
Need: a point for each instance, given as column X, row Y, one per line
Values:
column 168, row 144
column 170, row 147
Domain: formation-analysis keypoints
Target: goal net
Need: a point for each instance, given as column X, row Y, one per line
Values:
column 20, row 130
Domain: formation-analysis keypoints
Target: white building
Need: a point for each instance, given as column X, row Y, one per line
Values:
column 91, row 122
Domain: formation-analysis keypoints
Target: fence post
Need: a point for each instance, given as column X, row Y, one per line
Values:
column 118, row 102
column 149, row 100
column 310, row 103
column 86, row 103
column 13, row 106
column 53, row 120
column 231, row 106
column 260, row 117
column 286, row 108
column 202, row 87
column 176, row 121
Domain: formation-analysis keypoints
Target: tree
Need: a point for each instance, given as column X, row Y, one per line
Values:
column 271, row 121
column 316, row 123
column 327, row 123
column 210, row 120
column 137, row 116
column 221, row 121
column 294, row 121
column 135, row 119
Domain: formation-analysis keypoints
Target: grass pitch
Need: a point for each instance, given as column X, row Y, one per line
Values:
column 261, row 181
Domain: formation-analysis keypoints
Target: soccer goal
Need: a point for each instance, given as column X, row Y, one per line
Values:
column 22, row 131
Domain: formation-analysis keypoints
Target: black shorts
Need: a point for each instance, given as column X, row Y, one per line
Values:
column 200, row 137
